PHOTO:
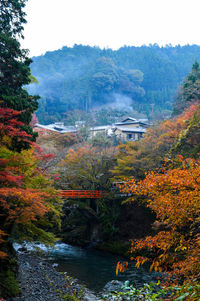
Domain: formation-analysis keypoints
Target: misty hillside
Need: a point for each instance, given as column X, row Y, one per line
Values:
column 86, row 78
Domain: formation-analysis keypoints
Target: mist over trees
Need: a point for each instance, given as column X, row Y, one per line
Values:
column 87, row 78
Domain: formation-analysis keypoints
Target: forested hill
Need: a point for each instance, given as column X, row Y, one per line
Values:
column 85, row 78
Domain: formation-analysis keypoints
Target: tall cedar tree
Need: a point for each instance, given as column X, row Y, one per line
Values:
column 14, row 65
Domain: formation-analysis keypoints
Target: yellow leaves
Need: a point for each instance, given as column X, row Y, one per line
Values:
column 137, row 264
column 180, row 248
column 23, row 205
column 183, row 248
column 140, row 261
column 174, row 195
column 121, row 267
column 198, row 240
column 26, row 196
column 154, row 266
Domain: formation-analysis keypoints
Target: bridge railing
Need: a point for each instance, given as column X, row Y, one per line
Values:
column 89, row 194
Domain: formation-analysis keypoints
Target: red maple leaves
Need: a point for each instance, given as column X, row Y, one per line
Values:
column 24, row 196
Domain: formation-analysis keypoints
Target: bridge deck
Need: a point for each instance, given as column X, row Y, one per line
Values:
column 89, row 194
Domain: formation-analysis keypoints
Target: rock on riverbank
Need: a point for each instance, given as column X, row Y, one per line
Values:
column 39, row 281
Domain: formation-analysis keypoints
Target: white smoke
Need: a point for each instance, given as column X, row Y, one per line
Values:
column 118, row 102
column 121, row 102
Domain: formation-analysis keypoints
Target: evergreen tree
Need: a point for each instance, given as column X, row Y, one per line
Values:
column 191, row 87
column 189, row 91
column 14, row 64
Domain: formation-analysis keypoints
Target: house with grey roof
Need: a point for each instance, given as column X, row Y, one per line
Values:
column 56, row 127
column 130, row 129
column 103, row 129
column 129, row 133
column 132, row 122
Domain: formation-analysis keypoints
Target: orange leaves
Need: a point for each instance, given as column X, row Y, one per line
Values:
column 22, row 205
column 174, row 195
column 85, row 151
column 135, row 158
column 25, row 196
column 2, row 254
column 140, row 261
column 166, row 133
column 87, row 168
column 121, row 267
column 156, row 266
column 171, row 190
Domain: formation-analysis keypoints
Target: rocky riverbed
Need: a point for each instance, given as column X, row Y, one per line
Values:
column 39, row 281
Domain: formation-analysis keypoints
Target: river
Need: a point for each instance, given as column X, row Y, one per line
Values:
column 92, row 268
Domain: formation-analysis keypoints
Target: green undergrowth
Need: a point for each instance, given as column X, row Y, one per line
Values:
column 69, row 297
column 189, row 291
column 9, row 286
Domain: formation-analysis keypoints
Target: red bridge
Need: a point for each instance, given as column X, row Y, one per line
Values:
column 88, row 194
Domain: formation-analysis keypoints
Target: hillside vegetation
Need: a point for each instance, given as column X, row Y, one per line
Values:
column 86, row 78
column 150, row 187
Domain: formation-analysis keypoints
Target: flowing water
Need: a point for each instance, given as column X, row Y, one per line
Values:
column 94, row 268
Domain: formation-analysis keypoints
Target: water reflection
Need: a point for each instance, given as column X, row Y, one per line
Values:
column 95, row 268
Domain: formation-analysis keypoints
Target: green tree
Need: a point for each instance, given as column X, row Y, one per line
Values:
column 87, row 168
column 189, row 91
column 14, row 64
column 188, row 143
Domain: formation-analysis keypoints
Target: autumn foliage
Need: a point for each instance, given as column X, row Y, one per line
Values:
column 26, row 195
column 174, row 195
column 163, row 171
column 11, row 128
column 87, row 167
column 136, row 158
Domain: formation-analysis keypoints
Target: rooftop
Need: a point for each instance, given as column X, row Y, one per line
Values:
column 130, row 129
column 57, row 127
column 101, row 127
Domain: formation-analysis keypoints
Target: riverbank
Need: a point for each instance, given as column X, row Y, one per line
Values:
column 92, row 273
column 39, row 281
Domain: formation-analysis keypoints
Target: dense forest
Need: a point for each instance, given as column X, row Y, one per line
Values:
column 143, row 79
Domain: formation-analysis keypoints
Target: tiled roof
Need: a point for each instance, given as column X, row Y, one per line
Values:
column 99, row 128
column 130, row 129
column 57, row 128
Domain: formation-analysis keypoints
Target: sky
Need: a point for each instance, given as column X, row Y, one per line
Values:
column 53, row 24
